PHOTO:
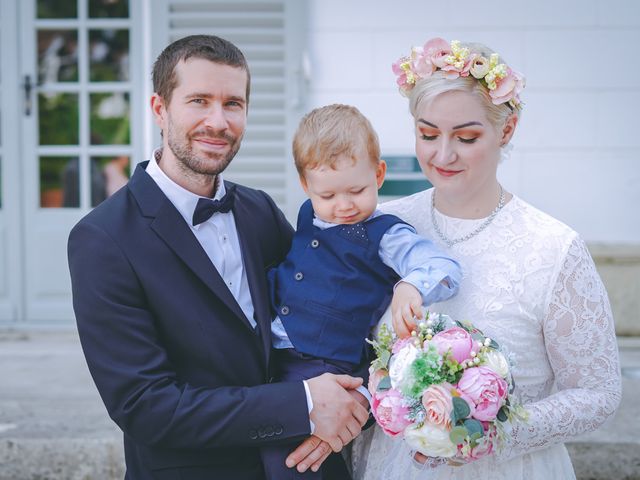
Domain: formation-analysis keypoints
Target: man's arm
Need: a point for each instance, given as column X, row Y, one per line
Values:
column 140, row 387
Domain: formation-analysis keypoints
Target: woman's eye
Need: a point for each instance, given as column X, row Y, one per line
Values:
column 467, row 140
column 429, row 137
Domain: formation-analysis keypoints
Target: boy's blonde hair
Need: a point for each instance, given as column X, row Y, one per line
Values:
column 327, row 132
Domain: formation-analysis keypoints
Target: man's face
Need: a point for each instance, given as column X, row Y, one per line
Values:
column 206, row 118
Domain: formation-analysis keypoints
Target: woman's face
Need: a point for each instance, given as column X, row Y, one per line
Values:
column 457, row 147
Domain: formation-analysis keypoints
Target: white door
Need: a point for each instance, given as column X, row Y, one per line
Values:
column 81, row 130
column 10, row 207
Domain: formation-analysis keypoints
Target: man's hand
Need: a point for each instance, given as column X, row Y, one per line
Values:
column 313, row 451
column 337, row 416
column 309, row 454
column 406, row 304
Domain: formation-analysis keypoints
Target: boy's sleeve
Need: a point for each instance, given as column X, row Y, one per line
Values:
column 419, row 262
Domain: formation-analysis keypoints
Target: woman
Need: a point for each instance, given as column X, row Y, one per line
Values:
column 529, row 281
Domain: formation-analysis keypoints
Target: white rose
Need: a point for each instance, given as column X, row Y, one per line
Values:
column 497, row 362
column 479, row 67
column 430, row 440
column 400, row 367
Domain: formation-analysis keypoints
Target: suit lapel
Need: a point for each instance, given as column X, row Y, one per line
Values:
column 254, row 267
column 171, row 227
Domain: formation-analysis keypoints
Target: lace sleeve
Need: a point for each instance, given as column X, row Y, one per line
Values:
column 582, row 349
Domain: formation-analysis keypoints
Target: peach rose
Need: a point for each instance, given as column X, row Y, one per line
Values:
column 437, row 402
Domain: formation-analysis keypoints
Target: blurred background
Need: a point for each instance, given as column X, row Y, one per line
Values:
column 75, row 121
column 75, row 118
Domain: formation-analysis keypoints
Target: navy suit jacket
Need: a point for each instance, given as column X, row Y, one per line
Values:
column 177, row 364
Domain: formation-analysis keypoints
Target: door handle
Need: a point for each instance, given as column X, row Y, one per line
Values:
column 28, row 88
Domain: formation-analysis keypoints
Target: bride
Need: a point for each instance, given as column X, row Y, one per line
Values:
column 529, row 281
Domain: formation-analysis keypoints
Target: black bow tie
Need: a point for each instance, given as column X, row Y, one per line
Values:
column 207, row 207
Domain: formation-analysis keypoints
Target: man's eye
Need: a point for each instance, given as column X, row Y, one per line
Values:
column 199, row 101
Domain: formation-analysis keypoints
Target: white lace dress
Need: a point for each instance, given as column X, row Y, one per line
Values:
column 530, row 283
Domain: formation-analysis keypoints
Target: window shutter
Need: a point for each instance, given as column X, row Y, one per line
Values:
column 264, row 32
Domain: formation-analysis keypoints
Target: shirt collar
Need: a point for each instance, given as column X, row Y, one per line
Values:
column 322, row 225
column 184, row 200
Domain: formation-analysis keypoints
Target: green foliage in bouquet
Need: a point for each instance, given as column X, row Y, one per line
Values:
column 382, row 346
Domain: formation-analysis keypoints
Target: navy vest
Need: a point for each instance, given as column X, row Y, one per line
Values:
column 333, row 287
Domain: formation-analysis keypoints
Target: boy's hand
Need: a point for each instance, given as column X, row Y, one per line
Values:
column 406, row 304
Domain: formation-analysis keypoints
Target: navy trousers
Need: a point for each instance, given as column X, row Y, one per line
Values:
column 295, row 366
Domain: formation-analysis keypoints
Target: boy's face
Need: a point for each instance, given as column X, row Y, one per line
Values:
column 347, row 194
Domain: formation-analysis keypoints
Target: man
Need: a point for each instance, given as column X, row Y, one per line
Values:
column 170, row 294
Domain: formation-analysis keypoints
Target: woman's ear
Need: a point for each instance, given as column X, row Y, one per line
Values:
column 509, row 129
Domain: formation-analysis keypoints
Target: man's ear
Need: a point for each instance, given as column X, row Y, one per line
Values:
column 509, row 129
column 381, row 170
column 159, row 109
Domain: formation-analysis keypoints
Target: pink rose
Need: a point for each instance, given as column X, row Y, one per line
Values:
column 484, row 446
column 390, row 411
column 507, row 88
column 455, row 339
column 486, row 389
column 436, row 50
column 400, row 344
column 438, row 404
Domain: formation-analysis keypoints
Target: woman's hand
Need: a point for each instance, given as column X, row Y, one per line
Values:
column 406, row 306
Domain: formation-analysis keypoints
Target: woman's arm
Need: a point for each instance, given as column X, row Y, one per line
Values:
column 582, row 350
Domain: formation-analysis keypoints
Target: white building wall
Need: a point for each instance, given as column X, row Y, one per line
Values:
column 577, row 149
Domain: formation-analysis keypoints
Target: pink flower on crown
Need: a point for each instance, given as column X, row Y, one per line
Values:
column 508, row 88
column 406, row 78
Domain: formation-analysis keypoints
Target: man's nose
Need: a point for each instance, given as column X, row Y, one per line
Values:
column 216, row 118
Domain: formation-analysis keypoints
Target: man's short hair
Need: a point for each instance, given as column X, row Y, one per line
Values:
column 207, row 47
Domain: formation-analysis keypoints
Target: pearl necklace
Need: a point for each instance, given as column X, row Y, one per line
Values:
column 472, row 234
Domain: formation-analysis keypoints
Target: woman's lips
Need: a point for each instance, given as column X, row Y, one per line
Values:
column 447, row 173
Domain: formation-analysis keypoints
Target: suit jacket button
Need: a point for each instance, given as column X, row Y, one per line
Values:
column 253, row 435
column 298, row 276
column 315, row 243
column 284, row 310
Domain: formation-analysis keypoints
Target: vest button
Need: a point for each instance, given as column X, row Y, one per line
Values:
column 298, row 276
column 284, row 310
column 315, row 243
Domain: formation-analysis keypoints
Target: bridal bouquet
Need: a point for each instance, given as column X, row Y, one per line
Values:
column 445, row 390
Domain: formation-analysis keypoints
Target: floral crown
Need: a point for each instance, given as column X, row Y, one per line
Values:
column 504, row 84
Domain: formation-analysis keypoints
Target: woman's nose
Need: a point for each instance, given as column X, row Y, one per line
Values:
column 445, row 154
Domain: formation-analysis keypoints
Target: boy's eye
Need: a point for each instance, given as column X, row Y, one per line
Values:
column 327, row 197
column 356, row 192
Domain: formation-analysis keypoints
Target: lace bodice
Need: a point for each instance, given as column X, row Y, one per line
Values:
column 530, row 283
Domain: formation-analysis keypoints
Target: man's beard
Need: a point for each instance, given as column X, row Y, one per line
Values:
column 205, row 163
